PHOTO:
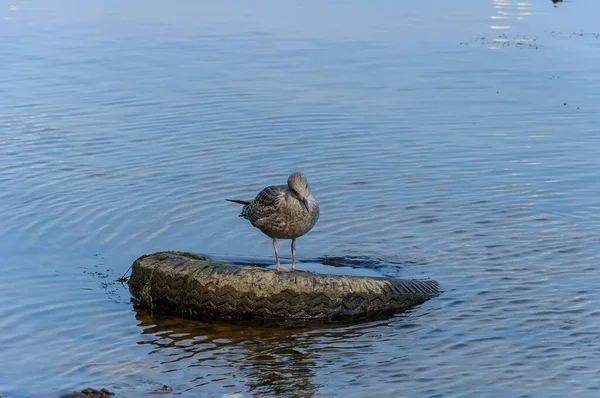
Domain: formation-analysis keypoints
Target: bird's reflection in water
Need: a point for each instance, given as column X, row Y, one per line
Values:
column 264, row 361
column 280, row 367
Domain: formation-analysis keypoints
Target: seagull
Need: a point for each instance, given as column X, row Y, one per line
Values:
column 283, row 212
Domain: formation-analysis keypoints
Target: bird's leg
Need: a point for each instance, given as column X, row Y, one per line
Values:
column 293, row 253
column 278, row 267
column 294, row 257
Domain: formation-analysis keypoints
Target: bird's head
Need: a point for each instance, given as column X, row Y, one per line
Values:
column 298, row 184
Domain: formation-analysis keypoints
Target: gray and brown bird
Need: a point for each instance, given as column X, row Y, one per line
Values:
column 283, row 212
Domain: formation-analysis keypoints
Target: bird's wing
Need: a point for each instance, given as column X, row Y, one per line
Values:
column 266, row 203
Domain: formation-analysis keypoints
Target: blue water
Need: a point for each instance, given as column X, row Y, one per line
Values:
column 452, row 140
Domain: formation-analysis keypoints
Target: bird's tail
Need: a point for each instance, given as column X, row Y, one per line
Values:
column 242, row 202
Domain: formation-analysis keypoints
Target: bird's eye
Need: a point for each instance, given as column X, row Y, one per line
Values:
column 307, row 185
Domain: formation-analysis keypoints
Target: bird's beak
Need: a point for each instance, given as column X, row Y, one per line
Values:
column 305, row 202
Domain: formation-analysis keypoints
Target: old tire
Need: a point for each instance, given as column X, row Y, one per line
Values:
column 192, row 286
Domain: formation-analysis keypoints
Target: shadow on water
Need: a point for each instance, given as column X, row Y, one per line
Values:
column 279, row 361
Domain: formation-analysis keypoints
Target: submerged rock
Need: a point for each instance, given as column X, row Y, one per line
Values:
column 90, row 393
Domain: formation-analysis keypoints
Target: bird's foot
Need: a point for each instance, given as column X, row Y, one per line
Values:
column 279, row 268
column 294, row 269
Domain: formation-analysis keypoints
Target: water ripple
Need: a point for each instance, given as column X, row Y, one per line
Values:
column 429, row 159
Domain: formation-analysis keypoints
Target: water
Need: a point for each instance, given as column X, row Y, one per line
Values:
column 456, row 141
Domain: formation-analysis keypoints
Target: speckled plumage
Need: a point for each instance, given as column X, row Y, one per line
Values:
column 283, row 211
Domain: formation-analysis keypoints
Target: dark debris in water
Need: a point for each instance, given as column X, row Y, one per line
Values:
column 524, row 42
column 503, row 40
column 164, row 390
column 112, row 285
column 556, row 34
column 90, row 393
column 105, row 393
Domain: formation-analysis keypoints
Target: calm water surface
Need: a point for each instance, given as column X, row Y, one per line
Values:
column 452, row 140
